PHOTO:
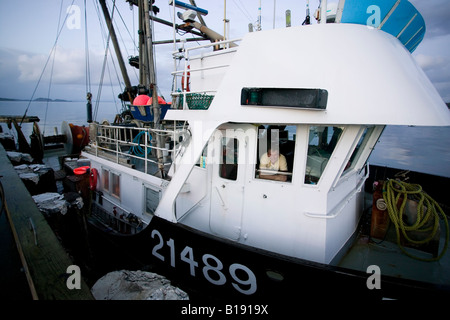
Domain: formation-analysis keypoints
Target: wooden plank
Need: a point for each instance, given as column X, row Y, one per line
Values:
column 46, row 262
column 4, row 118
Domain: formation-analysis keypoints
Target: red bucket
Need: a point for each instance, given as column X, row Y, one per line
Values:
column 81, row 170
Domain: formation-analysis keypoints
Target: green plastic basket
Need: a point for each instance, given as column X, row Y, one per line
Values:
column 198, row 101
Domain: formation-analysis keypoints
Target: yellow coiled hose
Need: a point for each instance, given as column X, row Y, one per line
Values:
column 395, row 191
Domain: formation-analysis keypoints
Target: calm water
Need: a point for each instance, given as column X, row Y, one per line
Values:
column 51, row 115
column 423, row 149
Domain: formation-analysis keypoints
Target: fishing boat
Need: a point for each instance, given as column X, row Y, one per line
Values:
column 254, row 183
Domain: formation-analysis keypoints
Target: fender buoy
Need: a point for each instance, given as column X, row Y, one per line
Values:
column 93, row 179
column 188, row 76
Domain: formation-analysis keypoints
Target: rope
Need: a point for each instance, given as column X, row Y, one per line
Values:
column 396, row 192
column 138, row 150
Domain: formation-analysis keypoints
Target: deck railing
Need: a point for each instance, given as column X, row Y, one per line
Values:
column 190, row 99
column 122, row 144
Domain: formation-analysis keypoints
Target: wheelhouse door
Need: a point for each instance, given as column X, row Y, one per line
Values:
column 228, row 176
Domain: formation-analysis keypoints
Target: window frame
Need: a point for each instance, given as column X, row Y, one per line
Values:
column 308, row 140
column 155, row 190
column 365, row 135
column 115, row 189
column 106, row 180
column 108, row 184
column 234, row 173
column 259, row 153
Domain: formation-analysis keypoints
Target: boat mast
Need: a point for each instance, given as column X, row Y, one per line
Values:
column 153, row 85
column 143, row 75
column 113, row 36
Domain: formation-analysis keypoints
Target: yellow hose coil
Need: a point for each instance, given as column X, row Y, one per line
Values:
column 395, row 191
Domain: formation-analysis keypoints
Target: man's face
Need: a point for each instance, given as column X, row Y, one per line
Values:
column 273, row 155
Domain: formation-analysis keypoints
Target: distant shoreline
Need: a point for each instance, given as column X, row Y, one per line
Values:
column 37, row 100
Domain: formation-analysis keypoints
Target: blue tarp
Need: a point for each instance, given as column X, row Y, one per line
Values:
column 405, row 22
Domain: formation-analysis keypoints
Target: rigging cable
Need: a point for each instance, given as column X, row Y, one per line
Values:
column 100, row 86
column 105, row 37
column 105, row 61
column 86, row 51
column 104, row 66
column 128, row 54
column 51, row 71
column 244, row 11
column 45, row 66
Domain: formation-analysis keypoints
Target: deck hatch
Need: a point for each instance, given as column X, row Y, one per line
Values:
column 315, row 99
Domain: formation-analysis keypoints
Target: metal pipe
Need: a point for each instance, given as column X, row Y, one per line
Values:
column 323, row 12
column 212, row 35
column 112, row 33
column 151, row 65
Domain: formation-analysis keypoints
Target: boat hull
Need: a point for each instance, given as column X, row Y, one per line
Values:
column 214, row 268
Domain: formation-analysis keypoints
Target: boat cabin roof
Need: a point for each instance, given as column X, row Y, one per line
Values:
column 344, row 73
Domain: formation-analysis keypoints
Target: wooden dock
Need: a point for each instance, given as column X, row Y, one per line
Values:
column 43, row 258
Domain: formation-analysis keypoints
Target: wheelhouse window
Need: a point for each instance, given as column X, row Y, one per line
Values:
column 275, row 156
column 359, row 149
column 228, row 167
column 322, row 142
column 298, row 98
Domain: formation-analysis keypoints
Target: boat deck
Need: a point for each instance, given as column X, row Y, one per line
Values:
column 393, row 262
column 388, row 256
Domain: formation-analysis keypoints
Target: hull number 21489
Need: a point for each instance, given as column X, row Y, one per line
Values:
column 212, row 268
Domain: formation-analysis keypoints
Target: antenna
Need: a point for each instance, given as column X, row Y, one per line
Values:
column 308, row 17
column 258, row 24
column 225, row 20
column 274, row 9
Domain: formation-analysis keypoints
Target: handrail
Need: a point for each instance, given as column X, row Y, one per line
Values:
column 114, row 139
column 340, row 207
column 202, row 91
column 200, row 69
column 274, row 172
column 212, row 44
column 185, row 54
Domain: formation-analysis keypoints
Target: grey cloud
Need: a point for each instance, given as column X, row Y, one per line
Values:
column 436, row 16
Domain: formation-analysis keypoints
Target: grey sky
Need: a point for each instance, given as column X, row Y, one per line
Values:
column 29, row 28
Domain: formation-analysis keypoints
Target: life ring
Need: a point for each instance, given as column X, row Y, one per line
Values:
column 93, row 179
column 188, row 76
